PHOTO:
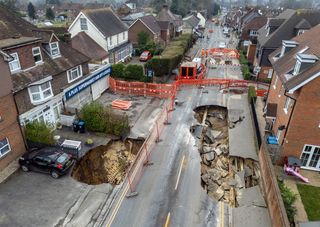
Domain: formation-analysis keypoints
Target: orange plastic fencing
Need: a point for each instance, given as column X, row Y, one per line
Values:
column 261, row 92
column 225, row 52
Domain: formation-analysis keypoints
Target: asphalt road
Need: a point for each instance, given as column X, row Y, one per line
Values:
column 170, row 193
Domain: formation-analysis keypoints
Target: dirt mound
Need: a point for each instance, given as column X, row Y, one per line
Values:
column 106, row 164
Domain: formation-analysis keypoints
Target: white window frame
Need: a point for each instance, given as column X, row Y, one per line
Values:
column 278, row 134
column 83, row 24
column 15, row 57
column 110, row 41
column 310, row 153
column 253, row 33
column 37, row 48
column 56, row 48
column 270, row 72
column 297, row 68
column 275, row 82
column 77, row 69
column 40, row 93
column 6, row 145
column 301, row 31
column 286, row 105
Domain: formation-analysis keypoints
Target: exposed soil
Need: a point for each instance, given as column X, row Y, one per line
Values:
column 221, row 175
column 106, row 164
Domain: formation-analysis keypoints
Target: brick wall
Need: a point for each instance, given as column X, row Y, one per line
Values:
column 304, row 125
column 58, row 83
column 9, row 128
column 25, row 55
column 271, row 190
column 263, row 74
column 134, row 31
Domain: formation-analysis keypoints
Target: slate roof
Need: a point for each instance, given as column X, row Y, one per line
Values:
column 303, row 24
column 191, row 20
column 87, row 46
column 166, row 15
column 286, row 63
column 164, row 25
column 151, row 22
column 106, row 21
column 287, row 28
column 4, row 43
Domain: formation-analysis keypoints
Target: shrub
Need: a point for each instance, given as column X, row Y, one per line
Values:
column 134, row 72
column 252, row 94
column 288, row 198
column 93, row 114
column 39, row 132
column 100, row 119
column 118, row 70
column 246, row 72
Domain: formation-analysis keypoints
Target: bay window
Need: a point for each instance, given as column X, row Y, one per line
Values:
column 40, row 93
column 54, row 49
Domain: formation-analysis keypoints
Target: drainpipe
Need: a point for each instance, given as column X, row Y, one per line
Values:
column 294, row 105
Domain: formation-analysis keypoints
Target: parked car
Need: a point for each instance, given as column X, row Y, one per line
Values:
column 199, row 34
column 145, row 56
column 222, row 45
column 47, row 160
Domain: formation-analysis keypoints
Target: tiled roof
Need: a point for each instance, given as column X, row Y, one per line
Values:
column 192, row 20
column 151, row 22
column 51, row 67
column 256, row 23
column 308, row 41
column 287, row 29
column 87, row 46
column 5, row 43
column 106, row 21
column 166, row 15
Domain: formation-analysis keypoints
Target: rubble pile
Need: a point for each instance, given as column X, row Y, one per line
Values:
column 106, row 164
column 222, row 176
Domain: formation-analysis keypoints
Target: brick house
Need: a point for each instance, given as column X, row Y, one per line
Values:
column 107, row 30
column 293, row 107
column 147, row 24
column 48, row 75
column 170, row 24
column 11, row 140
column 283, row 27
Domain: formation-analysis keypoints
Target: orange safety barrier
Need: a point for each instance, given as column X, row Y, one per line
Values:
column 261, row 92
column 231, row 53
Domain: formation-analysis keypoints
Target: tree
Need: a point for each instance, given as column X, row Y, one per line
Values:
column 11, row 4
column 53, row 2
column 49, row 14
column 143, row 38
column 174, row 6
column 31, row 11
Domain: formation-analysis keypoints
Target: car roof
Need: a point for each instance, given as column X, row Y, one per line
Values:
column 44, row 152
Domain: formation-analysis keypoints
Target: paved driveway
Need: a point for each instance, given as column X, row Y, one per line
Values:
column 35, row 199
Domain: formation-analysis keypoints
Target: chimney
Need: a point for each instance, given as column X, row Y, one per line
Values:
column 67, row 38
column 165, row 6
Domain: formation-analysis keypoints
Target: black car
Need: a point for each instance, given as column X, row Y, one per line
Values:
column 46, row 160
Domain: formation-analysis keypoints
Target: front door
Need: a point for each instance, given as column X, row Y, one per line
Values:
column 310, row 157
column 48, row 116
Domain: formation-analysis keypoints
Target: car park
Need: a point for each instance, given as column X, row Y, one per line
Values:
column 47, row 160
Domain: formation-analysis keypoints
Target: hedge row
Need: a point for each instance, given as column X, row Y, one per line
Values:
column 171, row 56
column 129, row 72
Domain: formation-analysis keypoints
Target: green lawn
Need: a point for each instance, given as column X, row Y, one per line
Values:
column 310, row 196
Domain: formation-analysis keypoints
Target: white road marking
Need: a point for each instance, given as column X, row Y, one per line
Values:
column 179, row 174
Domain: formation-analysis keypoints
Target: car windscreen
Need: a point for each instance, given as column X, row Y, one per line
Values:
column 62, row 158
column 144, row 54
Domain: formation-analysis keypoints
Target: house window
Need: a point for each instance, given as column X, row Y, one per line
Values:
column 15, row 63
column 297, row 68
column 275, row 82
column 278, row 134
column 310, row 157
column 270, row 73
column 40, row 93
column 36, row 55
column 74, row 73
column 4, row 147
column 301, row 31
column 286, row 105
column 83, row 24
column 54, row 49
column 253, row 33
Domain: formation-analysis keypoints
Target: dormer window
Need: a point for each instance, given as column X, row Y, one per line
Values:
column 303, row 62
column 14, row 64
column 54, row 49
column 301, row 31
column 287, row 45
column 40, row 93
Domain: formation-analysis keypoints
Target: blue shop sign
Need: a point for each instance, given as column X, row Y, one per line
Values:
column 69, row 94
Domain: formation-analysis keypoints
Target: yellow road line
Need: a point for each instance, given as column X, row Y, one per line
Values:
column 179, row 174
column 167, row 220
column 117, row 207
